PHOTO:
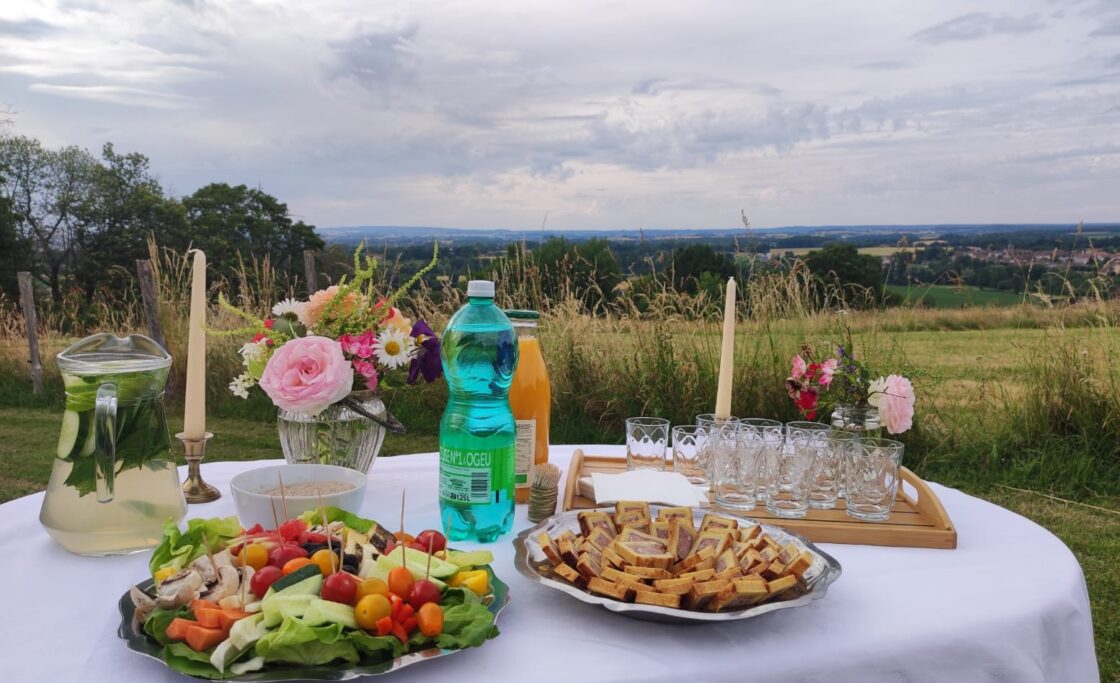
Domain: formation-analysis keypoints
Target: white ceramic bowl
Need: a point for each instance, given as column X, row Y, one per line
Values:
column 254, row 507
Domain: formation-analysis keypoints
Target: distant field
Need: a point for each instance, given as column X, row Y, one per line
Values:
column 949, row 296
column 870, row 251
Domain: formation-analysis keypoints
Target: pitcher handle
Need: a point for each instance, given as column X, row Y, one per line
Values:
column 105, row 456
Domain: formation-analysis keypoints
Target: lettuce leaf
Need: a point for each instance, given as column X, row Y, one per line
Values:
column 466, row 625
column 179, row 656
column 180, row 548
column 297, row 643
column 376, row 648
column 156, row 623
column 336, row 514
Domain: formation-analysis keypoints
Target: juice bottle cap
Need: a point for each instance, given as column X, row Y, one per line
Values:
column 480, row 288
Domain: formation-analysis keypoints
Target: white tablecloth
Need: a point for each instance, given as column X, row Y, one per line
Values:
column 1009, row 604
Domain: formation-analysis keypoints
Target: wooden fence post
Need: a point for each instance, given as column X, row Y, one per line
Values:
column 309, row 271
column 27, row 297
column 150, row 296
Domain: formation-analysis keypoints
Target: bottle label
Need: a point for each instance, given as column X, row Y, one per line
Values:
column 526, row 450
column 465, row 475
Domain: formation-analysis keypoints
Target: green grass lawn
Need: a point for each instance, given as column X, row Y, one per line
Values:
column 27, row 437
column 949, row 296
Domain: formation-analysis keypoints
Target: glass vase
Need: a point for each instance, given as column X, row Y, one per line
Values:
column 860, row 420
column 340, row 435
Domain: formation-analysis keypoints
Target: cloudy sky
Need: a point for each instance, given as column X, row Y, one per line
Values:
column 605, row 114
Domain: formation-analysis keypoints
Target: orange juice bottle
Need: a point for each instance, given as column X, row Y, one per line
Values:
column 530, row 398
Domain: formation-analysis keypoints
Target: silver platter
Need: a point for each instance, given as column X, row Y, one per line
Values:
column 138, row 641
column 820, row 575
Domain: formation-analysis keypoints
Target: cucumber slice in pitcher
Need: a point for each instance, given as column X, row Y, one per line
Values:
column 76, row 431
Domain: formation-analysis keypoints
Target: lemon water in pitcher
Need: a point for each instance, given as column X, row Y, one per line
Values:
column 114, row 482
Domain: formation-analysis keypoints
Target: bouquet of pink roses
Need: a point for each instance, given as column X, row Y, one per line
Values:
column 311, row 354
column 843, row 380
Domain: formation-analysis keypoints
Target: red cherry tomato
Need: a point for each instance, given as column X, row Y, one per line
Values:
column 339, row 587
column 438, row 541
column 282, row 554
column 423, row 592
column 263, row 578
column 292, row 528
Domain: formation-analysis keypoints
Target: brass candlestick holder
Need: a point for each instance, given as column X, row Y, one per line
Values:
column 194, row 489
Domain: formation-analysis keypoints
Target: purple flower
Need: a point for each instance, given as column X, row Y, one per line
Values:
column 427, row 361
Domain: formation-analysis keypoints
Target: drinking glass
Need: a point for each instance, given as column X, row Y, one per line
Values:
column 646, row 439
column 709, row 423
column 873, row 478
column 792, row 471
column 828, row 470
column 772, row 434
column 735, row 469
column 847, row 443
column 690, row 453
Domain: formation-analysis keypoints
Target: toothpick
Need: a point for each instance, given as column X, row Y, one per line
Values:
column 402, row 512
column 206, row 545
column 283, row 497
column 327, row 529
column 428, row 571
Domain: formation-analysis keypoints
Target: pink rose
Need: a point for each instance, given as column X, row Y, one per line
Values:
column 307, row 374
column 894, row 397
column 799, row 367
column 828, row 368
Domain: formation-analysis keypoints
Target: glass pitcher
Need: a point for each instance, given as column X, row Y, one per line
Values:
column 114, row 481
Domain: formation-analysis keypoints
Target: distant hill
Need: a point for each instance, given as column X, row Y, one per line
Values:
column 408, row 234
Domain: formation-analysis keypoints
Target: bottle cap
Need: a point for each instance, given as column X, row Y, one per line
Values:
column 480, row 288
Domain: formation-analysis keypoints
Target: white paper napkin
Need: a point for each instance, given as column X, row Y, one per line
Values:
column 666, row 488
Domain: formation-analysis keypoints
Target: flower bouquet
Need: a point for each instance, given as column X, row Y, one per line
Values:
column 325, row 361
column 859, row 402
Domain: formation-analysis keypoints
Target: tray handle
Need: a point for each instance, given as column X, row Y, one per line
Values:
column 927, row 503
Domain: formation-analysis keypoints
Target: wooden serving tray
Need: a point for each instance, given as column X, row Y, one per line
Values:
column 920, row 523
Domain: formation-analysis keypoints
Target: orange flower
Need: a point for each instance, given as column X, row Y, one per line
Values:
column 318, row 302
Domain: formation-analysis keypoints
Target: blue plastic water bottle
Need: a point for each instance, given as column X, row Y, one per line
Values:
column 477, row 435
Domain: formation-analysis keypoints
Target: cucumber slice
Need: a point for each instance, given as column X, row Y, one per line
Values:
column 75, row 431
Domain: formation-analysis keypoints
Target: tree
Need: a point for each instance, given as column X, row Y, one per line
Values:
column 45, row 189
column 238, row 221
column 587, row 271
column 693, row 262
column 858, row 277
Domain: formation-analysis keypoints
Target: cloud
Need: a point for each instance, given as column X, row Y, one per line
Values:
column 1108, row 27
column 26, row 28
column 888, row 65
column 135, row 97
column 375, row 58
column 978, row 25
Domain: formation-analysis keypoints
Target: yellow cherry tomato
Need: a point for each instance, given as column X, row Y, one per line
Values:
column 163, row 574
column 327, row 561
column 372, row 586
column 400, row 582
column 430, row 619
column 254, row 555
column 294, row 564
column 370, row 609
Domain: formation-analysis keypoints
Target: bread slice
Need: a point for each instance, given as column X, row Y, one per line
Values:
column 623, row 506
column 548, row 546
column 648, row 597
column 699, row 576
column 635, row 519
column 600, row 539
column 682, row 513
column 609, row 589
column 630, row 533
column 800, row 564
column 789, row 552
column 615, row 576
column 660, row 531
column 612, row 558
column 716, row 540
column 570, row 575
column 702, row 594
column 647, row 572
column 741, row 593
column 589, row 519
column 768, row 554
column 725, row 561
column 681, row 537
column 778, row 586
column 568, row 551
column 644, row 554
column 776, row 570
column 729, row 574
column 589, row 565
column 675, row 586
column 750, row 532
column 688, row 563
column 711, row 522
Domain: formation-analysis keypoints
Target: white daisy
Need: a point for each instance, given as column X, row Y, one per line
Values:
column 241, row 384
column 291, row 308
column 394, row 348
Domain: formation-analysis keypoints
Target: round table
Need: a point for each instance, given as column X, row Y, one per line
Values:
column 1009, row 604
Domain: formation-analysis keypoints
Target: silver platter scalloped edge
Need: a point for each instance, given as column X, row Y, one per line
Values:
column 820, row 575
column 142, row 644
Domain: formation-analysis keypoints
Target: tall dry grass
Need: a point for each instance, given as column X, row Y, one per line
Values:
column 1052, row 422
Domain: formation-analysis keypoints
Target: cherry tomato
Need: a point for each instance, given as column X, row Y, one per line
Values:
column 327, row 561
column 294, row 564
column 400, row 582
column 254, row 555
column 371, row 609
column 339, row 587
column 435, row 538
column 264, row 578
column 291, row 529
column 253, row 530
column 281, row 554
column 423, row 592
column 372, row 586
column 430, row 619
column 415, row 545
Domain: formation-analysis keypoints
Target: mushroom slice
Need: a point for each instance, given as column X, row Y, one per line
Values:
column 179, row 589
column 143, row 603
column 226, row 585
column 223, row 559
